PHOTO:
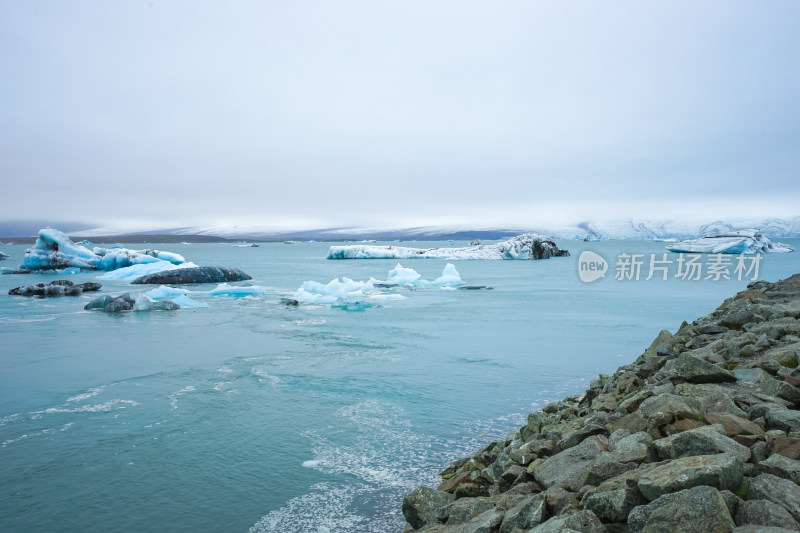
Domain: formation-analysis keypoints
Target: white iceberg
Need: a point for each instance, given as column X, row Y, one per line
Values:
column 132, row 272
column 179, row 296
column 748, row 241
column 54, row 250
column 339, row 292
column 313, row 292
column 399, row 275
column 3, row 256
column 408, row 277
column 449, row 278
column 526, row 246
column 223, row 289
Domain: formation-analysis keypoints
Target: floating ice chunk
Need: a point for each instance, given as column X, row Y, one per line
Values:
column 6, row 270
column 400, row 275
column 738, row 242
column 223, row 289
column 526, row 246
column 387, row 297
column 449, row 278
column 165, row 293
column 179, row 296
column 132, row 272
column 71, row 270
column 3, row 256
column 346, row 289
column 185, row 301
column 310, row 464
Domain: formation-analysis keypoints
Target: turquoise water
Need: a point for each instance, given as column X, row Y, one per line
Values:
column 252, row 415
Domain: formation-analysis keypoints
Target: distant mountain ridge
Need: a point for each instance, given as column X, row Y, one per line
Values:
column 624, row 229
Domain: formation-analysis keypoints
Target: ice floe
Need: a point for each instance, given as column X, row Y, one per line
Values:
column 737, row 242
column 344, row 293
column 223, row 289
column 54, row 250
column 526, row 246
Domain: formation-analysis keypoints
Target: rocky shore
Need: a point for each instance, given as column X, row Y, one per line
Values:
column 700, row 434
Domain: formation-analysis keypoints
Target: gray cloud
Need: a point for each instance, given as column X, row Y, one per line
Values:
column 379, row 113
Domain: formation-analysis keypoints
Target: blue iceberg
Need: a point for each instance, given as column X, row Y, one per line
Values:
column 54, row 250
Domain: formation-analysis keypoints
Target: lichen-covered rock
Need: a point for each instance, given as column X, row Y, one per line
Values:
column 613, row 506
column 764, row 513
column 705, row 440
column 734, row 425
column 695, row 370
column 567, row 468
column 783, row 419
column 697, row 510
column 526, row 514
column 781, row 466
column 419, row 507
column 721, row 471
column 635, row 448
column 670, row 403
column 583, row 521
column 777, row 490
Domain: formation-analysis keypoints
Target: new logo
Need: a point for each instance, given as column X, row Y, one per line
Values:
column 591, row 266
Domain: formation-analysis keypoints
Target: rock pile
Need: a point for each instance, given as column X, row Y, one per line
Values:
column 700, row 434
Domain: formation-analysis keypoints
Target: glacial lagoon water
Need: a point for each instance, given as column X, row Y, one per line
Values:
column 253, row 415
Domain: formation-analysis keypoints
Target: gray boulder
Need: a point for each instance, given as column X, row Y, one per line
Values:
column 696, row 370
column 722, row 471
column 635, row 448
column 777, row 490
column 583, row 521
column 764, row 513
column 568, row 468
column 706, row 440
column 670, row 403
column 781, row 466
column 526, row 514
column 697, row 510
column 613, row 506
column 185, row 276
column 419, row 507
column 784, row 419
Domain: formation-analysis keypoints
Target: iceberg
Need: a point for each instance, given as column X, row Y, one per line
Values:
column 54, row 250
column 410, row 278
column 748, row 241
column 313, row 292
column 223, row 289
column 339, row 292
column 400, row 275
column 525, row 246
column 449, row 278
column 3, row 256
column 178, row 296
column 130, row 273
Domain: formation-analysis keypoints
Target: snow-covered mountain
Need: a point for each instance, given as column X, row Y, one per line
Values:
column 620, row 229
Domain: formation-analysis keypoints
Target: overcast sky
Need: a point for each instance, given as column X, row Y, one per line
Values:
column 320, row 114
